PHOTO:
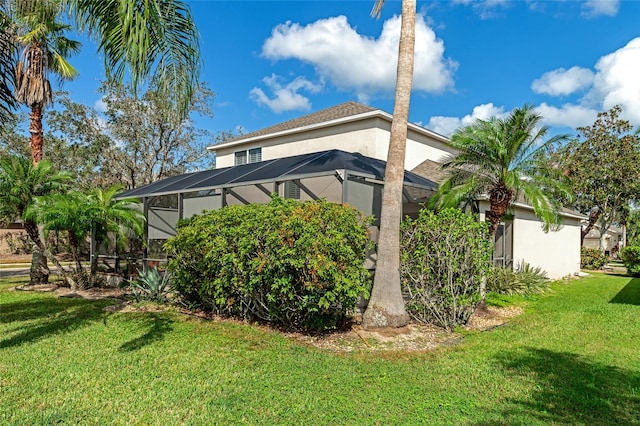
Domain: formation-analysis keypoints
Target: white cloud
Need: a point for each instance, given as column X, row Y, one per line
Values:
column 486, row 9
column 563, row 82
column 285, row 98
column 447, row 125
column 568, row 115
column 358, row 63
column 593, row 8
column 616, row 81
column 100, row 105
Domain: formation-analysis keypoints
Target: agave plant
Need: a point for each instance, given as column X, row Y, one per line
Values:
column 151, row 285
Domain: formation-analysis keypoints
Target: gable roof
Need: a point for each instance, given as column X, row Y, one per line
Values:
column 348, row 111
column 281, row 169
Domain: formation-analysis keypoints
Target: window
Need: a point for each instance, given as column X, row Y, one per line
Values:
column 291, row 190
column 253, row 155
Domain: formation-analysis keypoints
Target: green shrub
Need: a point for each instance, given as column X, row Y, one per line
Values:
column 290, row 263
column 525, row 279
column 151, row 285
column 444, row 257
column 592, row 258
column 631, row 257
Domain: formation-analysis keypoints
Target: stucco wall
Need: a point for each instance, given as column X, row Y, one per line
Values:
column 368, row 137
column 556, row 252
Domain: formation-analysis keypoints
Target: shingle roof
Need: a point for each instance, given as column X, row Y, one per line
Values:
column 346, row 109
column 431, row 170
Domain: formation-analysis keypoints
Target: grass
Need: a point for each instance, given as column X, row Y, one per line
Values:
column 572, row 358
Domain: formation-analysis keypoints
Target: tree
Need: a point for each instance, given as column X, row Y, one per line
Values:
column 150, row 140
column 500, row 158
column 603, row 170
column 386, row 305
column 20, row 183
column 119, row 217
column 81, row 214
column 45, row 51
column 151, row 38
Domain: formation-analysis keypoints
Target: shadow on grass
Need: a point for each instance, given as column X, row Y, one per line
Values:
column 630, row 294
column 570, row 389
column 43, row 317
column 158, row 325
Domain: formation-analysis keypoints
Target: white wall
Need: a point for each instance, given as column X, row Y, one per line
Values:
column 369, row 137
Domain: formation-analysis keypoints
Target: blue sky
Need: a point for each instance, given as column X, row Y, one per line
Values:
column 270, row 61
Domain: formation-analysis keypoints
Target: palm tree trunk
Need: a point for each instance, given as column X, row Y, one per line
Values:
column 39, row 272
column 35, row 128
column 82, row 280
column 386, row 305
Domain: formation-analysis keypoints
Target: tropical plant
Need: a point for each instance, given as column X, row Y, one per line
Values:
column 45, row 50
column 121, row 217
column 20, row 183
column 524, row 279
column 151, row 285
column 386, row 306
column 80, row 215
column 151, row 38
column 500, row 158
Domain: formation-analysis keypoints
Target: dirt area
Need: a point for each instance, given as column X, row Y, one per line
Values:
column 414, row 337
column 14, row 258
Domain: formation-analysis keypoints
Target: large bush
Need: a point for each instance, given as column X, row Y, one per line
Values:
column 592, row 258
column 444, row 258
column 290, row 263
column 631, row 257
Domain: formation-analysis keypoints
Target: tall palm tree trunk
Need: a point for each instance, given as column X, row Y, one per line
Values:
column 386, row 305
column 35, row 128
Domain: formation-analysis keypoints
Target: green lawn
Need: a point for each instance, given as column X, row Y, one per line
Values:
column 572, row 358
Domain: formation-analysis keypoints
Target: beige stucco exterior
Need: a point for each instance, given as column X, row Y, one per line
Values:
column 612, row 240
column 556, row 252
column 368, row 136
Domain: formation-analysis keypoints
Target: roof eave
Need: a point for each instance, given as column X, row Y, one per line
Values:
column 352, row 118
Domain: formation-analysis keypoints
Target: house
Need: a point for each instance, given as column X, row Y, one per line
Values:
column 614, row 239
column 338, row 153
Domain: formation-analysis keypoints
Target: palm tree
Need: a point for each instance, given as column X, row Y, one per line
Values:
column 141, row 39
column 20, row 183
column 68, row 213
column 501, row 158
column 45, row 49
column 120, row 217
column 80, row 214
column 386, row 305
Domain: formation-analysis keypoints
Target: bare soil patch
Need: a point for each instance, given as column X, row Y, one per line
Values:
column 415, row 337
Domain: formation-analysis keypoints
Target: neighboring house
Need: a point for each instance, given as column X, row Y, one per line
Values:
column 10, row 231
column 338, row 154
column 613, row 239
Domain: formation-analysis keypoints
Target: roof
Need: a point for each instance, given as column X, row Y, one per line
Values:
column 281, row 169
column 348, row 111
column 431, row 170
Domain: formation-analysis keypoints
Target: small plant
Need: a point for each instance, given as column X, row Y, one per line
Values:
column 524, row 279
column 151, row 285
column 592, row 258
column 631, row 257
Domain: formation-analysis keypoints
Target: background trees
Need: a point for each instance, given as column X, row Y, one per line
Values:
column 602, row 165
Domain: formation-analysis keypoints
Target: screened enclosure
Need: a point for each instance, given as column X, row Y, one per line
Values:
column 335, row 175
